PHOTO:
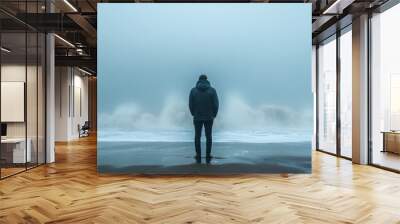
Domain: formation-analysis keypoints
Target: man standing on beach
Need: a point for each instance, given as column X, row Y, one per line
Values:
column 203, row 105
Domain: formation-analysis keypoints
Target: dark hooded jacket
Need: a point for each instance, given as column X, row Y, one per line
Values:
column 203, row 101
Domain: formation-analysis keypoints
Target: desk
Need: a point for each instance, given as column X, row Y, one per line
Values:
column 391, row 141
column 17, row 150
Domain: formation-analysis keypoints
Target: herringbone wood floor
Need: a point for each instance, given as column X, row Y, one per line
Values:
column 71, row 191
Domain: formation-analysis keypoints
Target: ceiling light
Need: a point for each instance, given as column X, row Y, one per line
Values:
column 5, row 50
column 65, row 41
column 84, row 71
column 338, row 6
column 79, row 51
column 70, row 5
column 329, row 9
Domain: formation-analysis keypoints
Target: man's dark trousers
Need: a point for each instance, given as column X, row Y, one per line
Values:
column 198, row 125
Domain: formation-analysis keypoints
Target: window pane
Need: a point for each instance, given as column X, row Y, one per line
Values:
column 386, row 89
column 346, row 94
column 327, row 96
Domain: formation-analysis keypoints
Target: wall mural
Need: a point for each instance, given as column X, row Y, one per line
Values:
column 204, row 88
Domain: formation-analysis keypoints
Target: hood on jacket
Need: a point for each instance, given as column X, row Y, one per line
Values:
column 203, row 85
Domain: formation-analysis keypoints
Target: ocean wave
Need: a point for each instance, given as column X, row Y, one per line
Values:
column 235, row 114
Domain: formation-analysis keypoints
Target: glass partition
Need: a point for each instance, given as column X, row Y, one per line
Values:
column 15, row 153
column 22, row 90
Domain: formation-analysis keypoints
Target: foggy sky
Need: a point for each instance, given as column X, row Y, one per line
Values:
column 150, row 53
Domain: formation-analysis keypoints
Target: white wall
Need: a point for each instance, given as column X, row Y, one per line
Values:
column 62, row 82
column 71, row 102
column 12, row 73
column 80, row 105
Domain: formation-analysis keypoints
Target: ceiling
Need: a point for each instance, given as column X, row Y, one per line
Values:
column 75, row 21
